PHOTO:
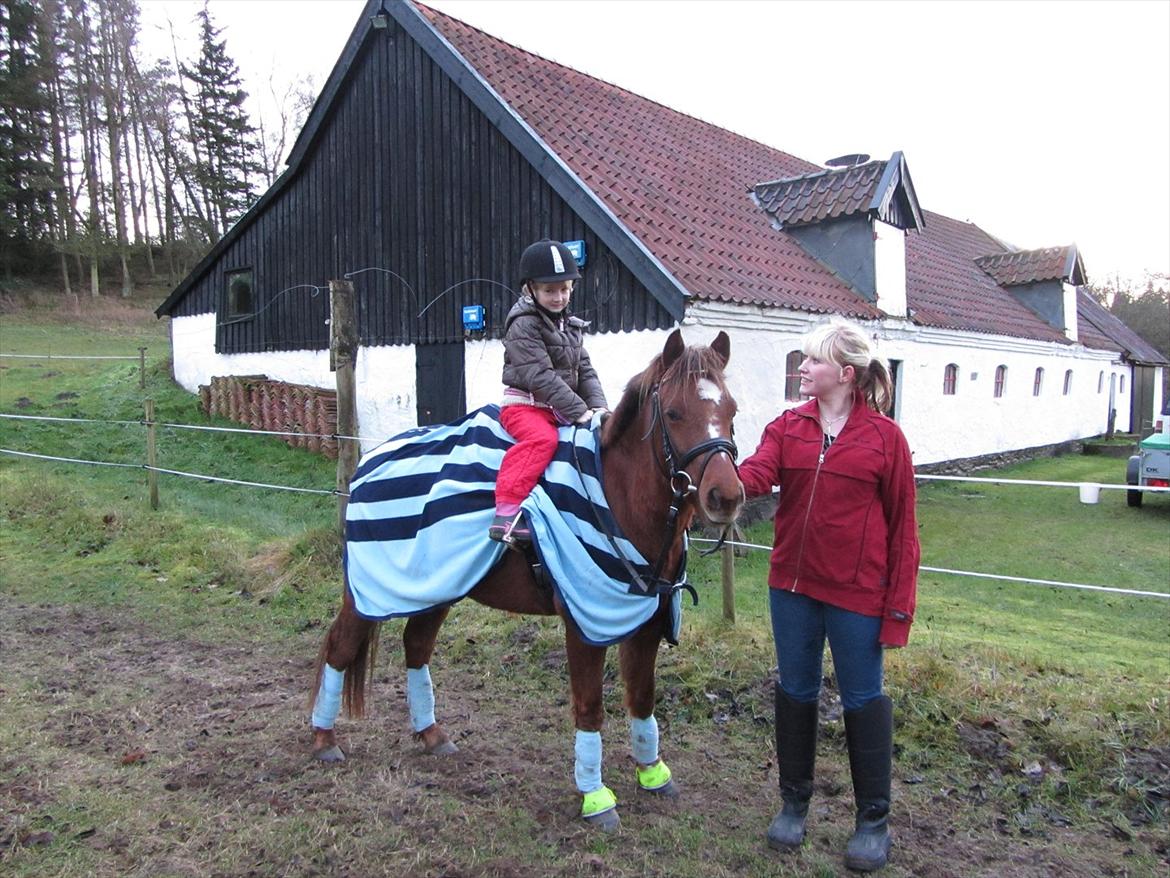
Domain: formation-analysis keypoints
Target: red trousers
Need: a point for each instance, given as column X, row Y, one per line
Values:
column 535, row 432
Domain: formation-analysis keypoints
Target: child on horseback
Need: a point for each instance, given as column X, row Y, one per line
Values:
column 548, row 379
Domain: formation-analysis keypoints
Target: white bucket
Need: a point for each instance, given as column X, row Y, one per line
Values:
column 1090, row 493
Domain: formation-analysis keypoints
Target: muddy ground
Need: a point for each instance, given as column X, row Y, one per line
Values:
column 129, row 752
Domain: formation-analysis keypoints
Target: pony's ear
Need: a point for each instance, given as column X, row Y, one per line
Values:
column 722, row 347
column 673, row 349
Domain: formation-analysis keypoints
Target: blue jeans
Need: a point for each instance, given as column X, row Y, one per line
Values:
column 799, row 628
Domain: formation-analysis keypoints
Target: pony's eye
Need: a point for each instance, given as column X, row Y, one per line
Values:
column 673, row 416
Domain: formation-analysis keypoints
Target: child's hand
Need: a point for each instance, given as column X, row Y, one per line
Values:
column 585, row 418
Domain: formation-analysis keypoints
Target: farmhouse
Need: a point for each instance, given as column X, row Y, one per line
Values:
column 436, row 152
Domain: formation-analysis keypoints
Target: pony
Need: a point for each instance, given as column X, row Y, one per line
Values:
column 668, row 457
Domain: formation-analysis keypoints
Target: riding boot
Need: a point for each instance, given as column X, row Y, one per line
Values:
column 796, row 754
column 869, row 733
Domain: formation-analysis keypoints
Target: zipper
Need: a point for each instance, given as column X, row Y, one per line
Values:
column 808, row 512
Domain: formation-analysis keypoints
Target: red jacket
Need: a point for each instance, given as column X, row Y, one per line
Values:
column 845, row 527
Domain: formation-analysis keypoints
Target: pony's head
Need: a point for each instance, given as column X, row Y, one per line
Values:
column 681, row 407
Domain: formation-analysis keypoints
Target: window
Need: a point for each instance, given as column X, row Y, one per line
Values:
column 1068, row 382
column 950, row 376
column 1038, row 382
column 1121, row 387
column 239, row 293
column 792, row 375
column 1000, row 380
column 1100, row 380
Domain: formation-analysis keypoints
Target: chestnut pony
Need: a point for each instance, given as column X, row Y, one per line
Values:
column 667, row 457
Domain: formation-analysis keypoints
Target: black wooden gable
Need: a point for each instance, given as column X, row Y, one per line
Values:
column 403, row 183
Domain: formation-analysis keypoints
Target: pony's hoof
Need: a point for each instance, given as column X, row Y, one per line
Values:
column 668, row 790
column 330, row 754
column 606, row 821
column 443, row 748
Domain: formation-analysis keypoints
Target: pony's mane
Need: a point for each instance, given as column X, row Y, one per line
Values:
column 695, row 362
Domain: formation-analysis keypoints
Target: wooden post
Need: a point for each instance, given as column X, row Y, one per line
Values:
column 728, row 555
column 343, row 347
column 142, row 368
column 151, row 453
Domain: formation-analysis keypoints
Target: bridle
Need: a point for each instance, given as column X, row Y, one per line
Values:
column 673, row 467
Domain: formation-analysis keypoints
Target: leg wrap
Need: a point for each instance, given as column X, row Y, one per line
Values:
column 420, row 696
column 587, row 768
column 328, row 703
column 644, row 739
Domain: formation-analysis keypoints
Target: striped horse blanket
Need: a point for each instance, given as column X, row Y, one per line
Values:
column 417, row 520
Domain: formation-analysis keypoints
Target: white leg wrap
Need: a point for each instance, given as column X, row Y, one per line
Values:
column 587, row 768
column 644, row 739
column 328, row 703
column 420, row 696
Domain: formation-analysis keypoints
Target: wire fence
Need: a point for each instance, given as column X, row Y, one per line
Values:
column 728, row 545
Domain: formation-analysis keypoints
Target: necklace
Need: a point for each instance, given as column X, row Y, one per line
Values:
column 828, row 424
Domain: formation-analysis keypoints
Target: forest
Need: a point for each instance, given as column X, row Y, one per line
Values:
column 116, row 167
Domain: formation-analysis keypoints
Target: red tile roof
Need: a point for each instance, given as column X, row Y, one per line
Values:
column 683, row 187
column 826, row 194
column 1029, row 266
column 1099, row 328
column 946, row 288
column 679, row 184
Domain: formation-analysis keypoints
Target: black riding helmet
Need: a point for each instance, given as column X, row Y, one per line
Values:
column 547, row 262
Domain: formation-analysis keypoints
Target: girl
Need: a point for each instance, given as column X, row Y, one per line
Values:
column 548, row 379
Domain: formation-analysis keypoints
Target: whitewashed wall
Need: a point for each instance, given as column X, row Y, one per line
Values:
column 968, row 424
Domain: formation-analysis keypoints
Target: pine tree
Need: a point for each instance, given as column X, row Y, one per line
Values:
column 226, row 154
column 27, row 219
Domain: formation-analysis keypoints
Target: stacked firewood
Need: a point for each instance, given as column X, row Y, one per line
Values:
column 307, row 414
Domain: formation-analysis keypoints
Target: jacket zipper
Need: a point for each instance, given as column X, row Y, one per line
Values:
column 808, row 512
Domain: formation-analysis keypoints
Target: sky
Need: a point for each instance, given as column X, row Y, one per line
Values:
column 1046, row 123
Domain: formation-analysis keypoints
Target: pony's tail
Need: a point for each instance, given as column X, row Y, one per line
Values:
column 358, row 637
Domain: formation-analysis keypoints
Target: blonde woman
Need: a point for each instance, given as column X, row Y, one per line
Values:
column 844, row 568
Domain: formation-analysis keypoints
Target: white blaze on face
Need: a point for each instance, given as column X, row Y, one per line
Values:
column 709, row 390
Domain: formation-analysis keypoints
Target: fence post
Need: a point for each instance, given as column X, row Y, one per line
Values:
column 728, row 556
column 343, row 347
column 151, row 454
column 142, row 368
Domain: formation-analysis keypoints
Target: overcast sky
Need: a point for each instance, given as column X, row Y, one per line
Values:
column 1045, row 122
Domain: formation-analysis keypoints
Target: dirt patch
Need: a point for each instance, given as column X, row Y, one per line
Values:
column 128, row 752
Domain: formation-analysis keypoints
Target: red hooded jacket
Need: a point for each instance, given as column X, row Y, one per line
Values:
column 845, row 530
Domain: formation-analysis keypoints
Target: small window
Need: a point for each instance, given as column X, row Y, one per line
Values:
column 1100, row 380
column 1000, row 380
column 792, row 375
column 950, row 377
column 1121, row 388
column 1038, row 382
column 1068, row 382
column 239, row 293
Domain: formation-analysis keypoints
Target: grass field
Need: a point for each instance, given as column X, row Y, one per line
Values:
column 154, row 667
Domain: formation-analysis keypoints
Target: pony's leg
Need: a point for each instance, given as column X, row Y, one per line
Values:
column 637, row 656
column 586, row 666
column 418, row 641
column 350, row 642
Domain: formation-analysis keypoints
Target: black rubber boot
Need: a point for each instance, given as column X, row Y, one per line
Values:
column 869, row 733
column 796, row 754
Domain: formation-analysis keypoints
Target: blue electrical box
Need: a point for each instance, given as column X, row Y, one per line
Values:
column 577, row 248
column 472, row 318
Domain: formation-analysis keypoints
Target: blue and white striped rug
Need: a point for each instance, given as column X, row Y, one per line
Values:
column 419, row 509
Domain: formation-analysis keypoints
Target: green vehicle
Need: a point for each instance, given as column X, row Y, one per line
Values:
column 1150, row 467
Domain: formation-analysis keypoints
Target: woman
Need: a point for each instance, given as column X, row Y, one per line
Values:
column 844, row 566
